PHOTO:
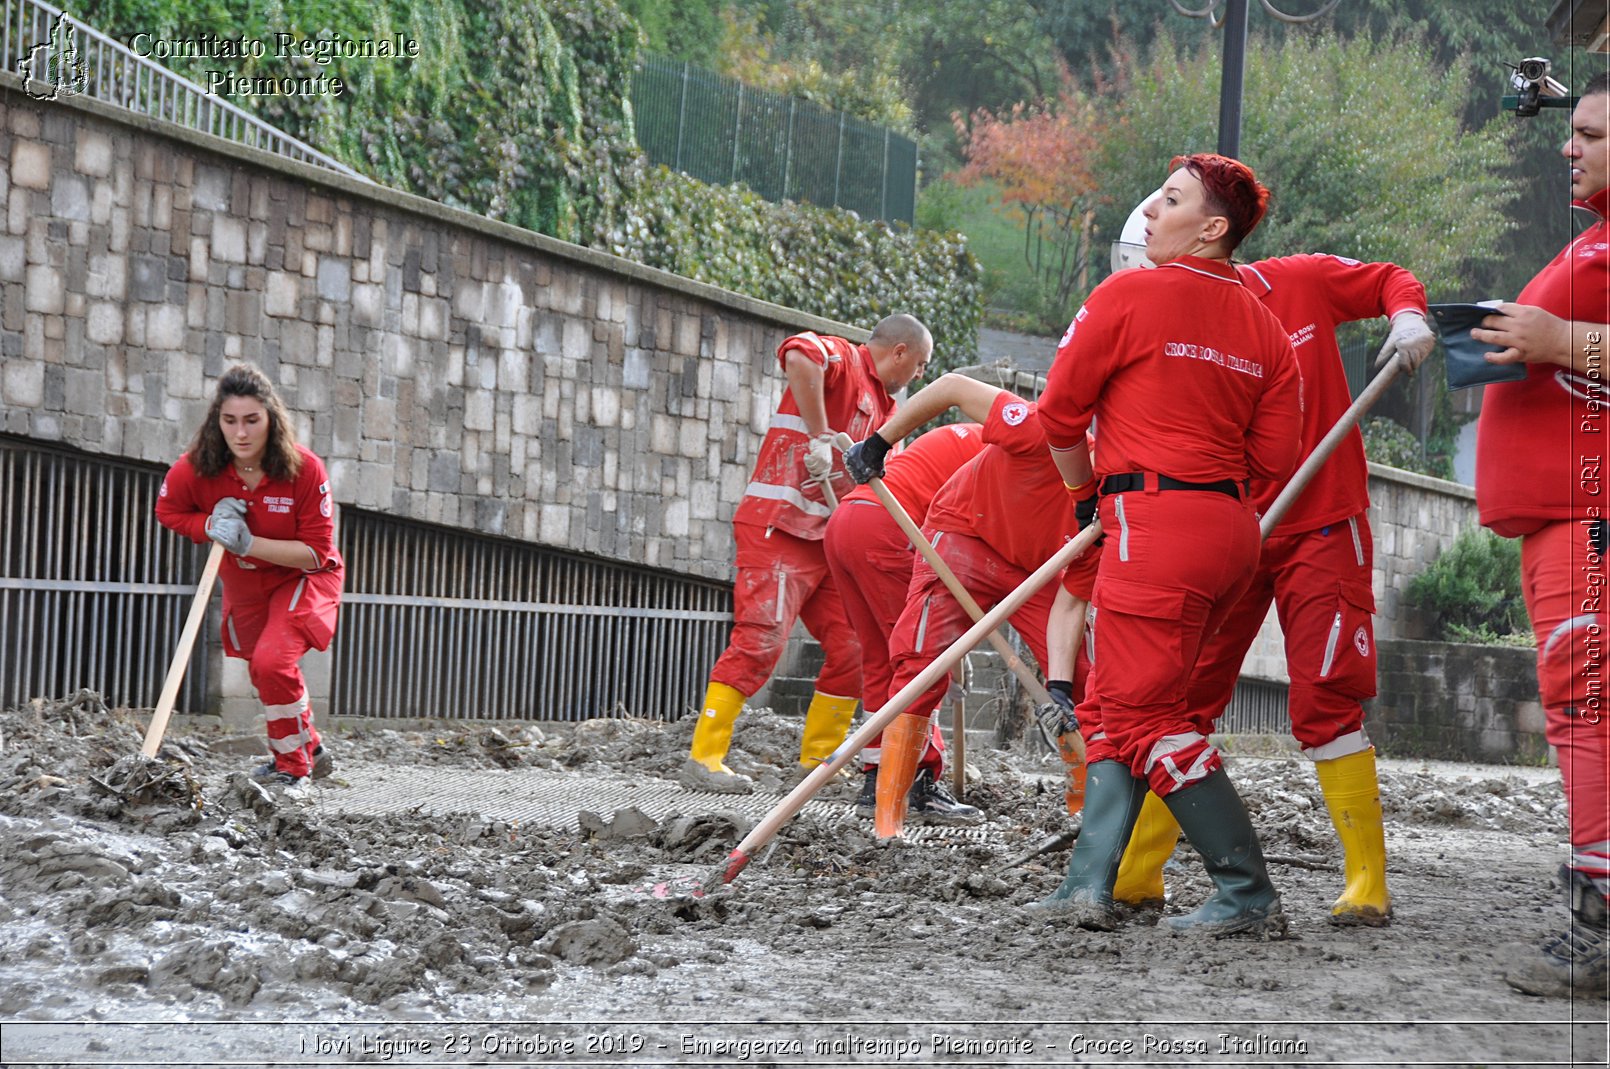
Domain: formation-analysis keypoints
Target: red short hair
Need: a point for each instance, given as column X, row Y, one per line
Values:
column 1233, row 191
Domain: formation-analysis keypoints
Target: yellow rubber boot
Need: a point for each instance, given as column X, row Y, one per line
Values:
column 827, row 722
column 1151, row 844
column 903, row 744
column 712, row 735
column 1353, row 796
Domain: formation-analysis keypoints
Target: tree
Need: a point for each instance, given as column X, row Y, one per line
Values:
column 1040, row 158
column 1351, row 174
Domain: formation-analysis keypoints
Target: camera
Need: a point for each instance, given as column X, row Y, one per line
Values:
column 1533, row 71
column 1534, row 88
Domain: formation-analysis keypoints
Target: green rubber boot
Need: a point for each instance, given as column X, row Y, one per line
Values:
column 1215, row 820
column 1112, row 802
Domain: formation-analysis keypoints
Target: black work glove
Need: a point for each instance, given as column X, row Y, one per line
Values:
column 864, row 459
column 1599, row 536
column 1084, row 510
column 1056, row 716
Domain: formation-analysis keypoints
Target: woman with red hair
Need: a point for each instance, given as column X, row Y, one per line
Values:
column 1195, row 390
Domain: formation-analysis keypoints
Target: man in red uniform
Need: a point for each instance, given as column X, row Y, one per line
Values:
column 1316, row 566
column 1195, row 388
column 246, row 484
column 871, row 562
column 1539, row 458
column 995, row 521
column 834, row 386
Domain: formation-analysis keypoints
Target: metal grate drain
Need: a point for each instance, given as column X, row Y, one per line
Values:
column 554, row 798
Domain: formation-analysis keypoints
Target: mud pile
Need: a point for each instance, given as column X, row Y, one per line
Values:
column 210, row 896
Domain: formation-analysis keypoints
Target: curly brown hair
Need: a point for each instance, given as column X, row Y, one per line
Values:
column 209, row 453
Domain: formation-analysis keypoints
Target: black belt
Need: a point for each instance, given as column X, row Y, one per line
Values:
column 1135, row 480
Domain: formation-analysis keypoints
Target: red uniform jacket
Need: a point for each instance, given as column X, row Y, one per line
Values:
column 780, row 493
column 1311, row 295
column 301, row 510
column 915, row 474
column 1540, row 441
column 1191, row 375
column 1010, row 496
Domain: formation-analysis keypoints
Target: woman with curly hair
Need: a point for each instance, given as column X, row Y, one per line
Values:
column 247, row 484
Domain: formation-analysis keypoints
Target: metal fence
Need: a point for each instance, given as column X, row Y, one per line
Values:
column 56, row 54
column 721, row 131
column 92, row 592
column 435, row 622
column 441, row 623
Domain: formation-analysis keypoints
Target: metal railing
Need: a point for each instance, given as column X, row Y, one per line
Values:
column 446, row 623
column 93, row 593
column 57, row 54
column 718, row 130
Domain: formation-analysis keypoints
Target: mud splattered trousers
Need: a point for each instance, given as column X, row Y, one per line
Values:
column 1319, row 582
column 782, row 579
column 271, row 627
column 871, row 561
column 932, row 619
column 1563, row 580
column 1172, row 566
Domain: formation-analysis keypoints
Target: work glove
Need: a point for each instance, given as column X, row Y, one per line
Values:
column 1410, row 336
column 864, row 460
column 1084, row 511
column 1056, row 716
column 227, row 526
column 819, row 458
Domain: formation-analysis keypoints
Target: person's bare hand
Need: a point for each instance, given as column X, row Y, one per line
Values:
column 1525, row 334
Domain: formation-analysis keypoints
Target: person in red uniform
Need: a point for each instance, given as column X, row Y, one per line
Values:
column 1195, row 389
column 1539, row 478
column 834, row 386
column 979, row 525
column 871, row 562
column 1316, row 567
column 246, row 484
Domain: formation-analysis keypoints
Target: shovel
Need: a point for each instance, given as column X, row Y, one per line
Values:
column 133, row 775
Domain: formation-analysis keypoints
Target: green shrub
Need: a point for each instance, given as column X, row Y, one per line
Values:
column 825, row 261
column 1389, row 442
column 1472, row 592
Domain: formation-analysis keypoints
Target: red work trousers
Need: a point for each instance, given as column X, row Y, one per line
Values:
column 1172, row 565
column 782, row 579
column 1319, row 582
column 271, row 627
column 1563, row 580
column 871, row 562
column 933, row 620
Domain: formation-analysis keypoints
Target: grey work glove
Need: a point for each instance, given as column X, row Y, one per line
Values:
column 819, row 460
column 227, row 526
column 1410, row 336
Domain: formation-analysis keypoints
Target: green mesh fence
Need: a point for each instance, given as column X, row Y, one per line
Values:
column 721, row 131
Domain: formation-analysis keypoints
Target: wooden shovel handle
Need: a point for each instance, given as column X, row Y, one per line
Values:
column 181, row 656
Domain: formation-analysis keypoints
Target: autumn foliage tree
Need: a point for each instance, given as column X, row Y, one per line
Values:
column 1040, row 157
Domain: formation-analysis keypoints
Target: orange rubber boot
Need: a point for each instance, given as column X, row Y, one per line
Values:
column 903, row 743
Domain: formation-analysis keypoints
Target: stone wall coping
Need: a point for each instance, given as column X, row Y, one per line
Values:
column 793, row 319
column 1428, row 483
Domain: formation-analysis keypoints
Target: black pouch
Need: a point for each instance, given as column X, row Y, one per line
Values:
column 1464, row 357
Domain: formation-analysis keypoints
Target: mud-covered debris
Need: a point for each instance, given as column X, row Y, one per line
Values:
column 599, row 941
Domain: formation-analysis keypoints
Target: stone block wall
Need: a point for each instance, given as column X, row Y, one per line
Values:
column 1458, row 702
column 448, row 368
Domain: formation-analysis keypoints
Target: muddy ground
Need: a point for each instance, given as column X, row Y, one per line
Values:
column 210, row 922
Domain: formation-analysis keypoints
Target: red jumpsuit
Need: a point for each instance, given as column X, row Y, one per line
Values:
column 1540, row 449
column 1316, row 565
column 995, row 521
column 782, row 569
column 871, row 558
column 1191, row 380
column 272, row 614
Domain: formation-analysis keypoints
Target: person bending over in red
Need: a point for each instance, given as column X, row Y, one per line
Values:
column 247, row 485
